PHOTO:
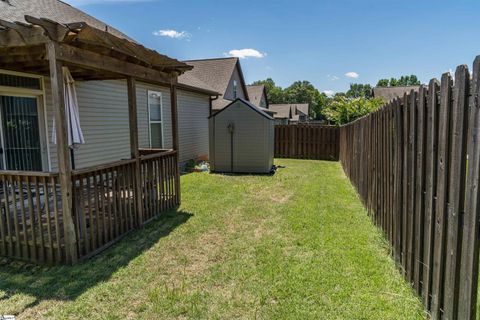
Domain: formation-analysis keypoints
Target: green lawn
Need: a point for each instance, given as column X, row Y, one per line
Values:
column 295, row 245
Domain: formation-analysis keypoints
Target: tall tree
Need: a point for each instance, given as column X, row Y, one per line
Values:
column 305, row 92
column 274, row 93
column 411, row 80
column 359, row 90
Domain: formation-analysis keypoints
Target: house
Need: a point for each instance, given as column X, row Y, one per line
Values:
column 390, row 93
column 290, row 113
column 258, row 95
column 241, row 139
column 223, row 75
column 61, row 205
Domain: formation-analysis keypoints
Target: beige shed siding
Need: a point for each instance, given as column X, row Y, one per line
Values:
column 193, row 112
column 253, row 140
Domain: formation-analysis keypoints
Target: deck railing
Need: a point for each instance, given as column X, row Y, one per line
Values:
column 31, row 224
column 106, row 200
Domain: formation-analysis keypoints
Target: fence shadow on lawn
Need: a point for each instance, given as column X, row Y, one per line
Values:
column 68, row 282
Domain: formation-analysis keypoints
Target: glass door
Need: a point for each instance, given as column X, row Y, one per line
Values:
column 20, row 134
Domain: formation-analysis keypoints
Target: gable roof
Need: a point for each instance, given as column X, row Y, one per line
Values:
column 285, row 111
column 390, row 93
column 56, row 10
column 248, row 104
column 255, row 94
column 215, row 74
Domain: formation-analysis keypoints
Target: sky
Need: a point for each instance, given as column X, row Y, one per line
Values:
column 329, row 43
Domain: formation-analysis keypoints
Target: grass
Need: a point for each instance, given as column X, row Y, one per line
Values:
column 295, row 245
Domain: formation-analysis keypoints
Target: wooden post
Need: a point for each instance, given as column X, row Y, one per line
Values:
column 64, row 166
column 174, row 111
column 134, row 151
column 173, row 102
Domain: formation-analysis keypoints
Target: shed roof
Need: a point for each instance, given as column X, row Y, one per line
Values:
column 260, row 111
column 255, row 93
column 16, row 10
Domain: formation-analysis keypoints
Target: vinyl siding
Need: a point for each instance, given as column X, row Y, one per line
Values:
column 104, row 120
column 240, row 92
column 193, row 112
column 252, row 141
column 103, row 108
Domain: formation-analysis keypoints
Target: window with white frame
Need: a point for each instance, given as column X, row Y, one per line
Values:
column 234, row 89
column 156, row 119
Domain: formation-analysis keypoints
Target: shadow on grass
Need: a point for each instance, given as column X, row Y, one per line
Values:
column 68, row 282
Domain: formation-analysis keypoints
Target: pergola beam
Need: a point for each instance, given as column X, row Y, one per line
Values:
column 91, row 60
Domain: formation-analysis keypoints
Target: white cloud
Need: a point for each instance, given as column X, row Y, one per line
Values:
column 174, row 34
column 245, row 53
column 352, row 75
column 329, row 93
column 332, row 77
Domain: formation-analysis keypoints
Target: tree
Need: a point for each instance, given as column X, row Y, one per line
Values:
column 411, row 80
column 382, row 83
column 305, row 92
column 358, row 90
column 274, row 93
column 341, row 110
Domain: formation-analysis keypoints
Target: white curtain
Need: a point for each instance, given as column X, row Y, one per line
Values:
column 75, row 134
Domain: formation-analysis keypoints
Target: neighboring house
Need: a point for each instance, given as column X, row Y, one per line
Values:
column 390, row 93
column 290, row 113
column 223, row 75
column 258, row 95
column 137, row 121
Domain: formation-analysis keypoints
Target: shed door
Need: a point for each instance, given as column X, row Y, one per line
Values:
column 20, row 134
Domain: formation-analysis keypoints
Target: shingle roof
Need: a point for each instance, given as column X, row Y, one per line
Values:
column 262, row 111
column 255, row 94
column 215, row 74
column 55, row 10
column 284, row 110
column 390, row 93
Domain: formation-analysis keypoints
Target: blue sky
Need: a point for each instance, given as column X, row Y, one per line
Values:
column 329, row 43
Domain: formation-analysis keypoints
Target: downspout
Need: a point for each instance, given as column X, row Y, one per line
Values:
column 212, row 98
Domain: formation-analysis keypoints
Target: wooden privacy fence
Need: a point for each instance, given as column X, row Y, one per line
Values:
column 307, row 141
column 415, row 164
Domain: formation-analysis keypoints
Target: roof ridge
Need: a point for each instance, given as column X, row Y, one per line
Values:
column 207, row 59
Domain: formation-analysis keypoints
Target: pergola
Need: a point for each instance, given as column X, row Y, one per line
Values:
column 43, row 47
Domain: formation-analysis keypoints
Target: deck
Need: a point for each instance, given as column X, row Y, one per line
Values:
column 105, row 206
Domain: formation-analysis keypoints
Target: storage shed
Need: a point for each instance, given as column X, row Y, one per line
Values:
column 241, row 139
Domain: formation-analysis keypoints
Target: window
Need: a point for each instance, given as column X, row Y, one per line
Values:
column 234, row 89
column 155, row 119
column 11, row 80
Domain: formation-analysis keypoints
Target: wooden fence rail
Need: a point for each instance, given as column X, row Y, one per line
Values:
column 416, row 165
column 307, row 142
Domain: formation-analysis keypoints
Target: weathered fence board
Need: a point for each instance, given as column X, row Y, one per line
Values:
column 303, row 141
column 415, row 163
